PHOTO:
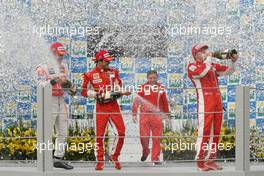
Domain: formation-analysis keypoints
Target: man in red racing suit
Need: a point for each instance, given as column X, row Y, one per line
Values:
column 96, row 82
column 204, row 75
column 153, row 103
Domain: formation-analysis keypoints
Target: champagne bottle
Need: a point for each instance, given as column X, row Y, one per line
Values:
column 224, row 54
column 67, row 86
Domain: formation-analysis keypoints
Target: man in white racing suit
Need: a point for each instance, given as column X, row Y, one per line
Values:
column 54, row 72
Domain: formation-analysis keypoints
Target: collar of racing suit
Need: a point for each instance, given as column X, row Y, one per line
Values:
column 99, row 69
column 147, row 83
column 198, row 61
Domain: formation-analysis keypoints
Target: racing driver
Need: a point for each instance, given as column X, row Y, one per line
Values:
column 54, row 72
column 101, row 83
column 204, row 75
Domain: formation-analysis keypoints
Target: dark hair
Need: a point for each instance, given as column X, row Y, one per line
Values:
column 152, row 72
column 97, row 61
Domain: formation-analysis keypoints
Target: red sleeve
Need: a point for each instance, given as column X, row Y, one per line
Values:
column 200, row 71
column 85, row 83
column 117, row 76
column 220, row 68
column 137, row 101
column 164, row 103
column 135, row 105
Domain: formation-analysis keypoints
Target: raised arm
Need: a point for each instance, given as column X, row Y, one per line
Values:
column 227, row 70
column 223, row 70
column 164, row 102
column 137, row 102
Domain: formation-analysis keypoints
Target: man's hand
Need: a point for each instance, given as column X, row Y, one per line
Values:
column 167, row 120
column 73, row 91
column 134, row 118
column 210, row 53
column 69, row 87
column 55, row 79
column 73, row 88
column 99, row 97
column 234, row 57
column 208, row 61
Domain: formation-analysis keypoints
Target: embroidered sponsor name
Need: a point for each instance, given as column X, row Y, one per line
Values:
column 97, row 80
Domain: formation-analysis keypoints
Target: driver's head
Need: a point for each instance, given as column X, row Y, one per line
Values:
column 152, row 77
column 58, row 50
column 199, row 52
column 102, row 58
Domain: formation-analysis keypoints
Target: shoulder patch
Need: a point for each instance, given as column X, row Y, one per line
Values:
column 96, row 76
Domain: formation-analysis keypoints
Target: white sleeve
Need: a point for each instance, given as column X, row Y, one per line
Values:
column 64, row 73
column 42, row 77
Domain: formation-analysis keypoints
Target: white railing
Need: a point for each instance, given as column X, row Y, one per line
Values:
column 45, row 158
